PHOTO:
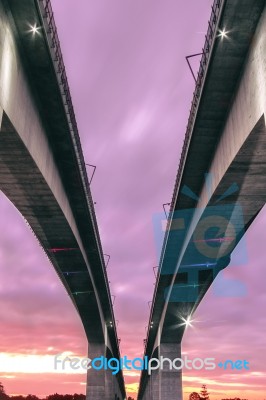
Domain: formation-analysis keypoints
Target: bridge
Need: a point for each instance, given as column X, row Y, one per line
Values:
column 220, row 186
column 43, row 173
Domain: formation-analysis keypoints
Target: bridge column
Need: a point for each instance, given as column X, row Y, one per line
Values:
column 117, row 393
column 101, row 384
column 96, row 379
column 171, row 379
column 148, row 393
column 155, row 386
column 166, row 383
column 116, row 389
column 109, row 385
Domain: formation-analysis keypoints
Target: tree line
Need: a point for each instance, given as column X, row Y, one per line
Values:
column 56, row 396
column 204, row 395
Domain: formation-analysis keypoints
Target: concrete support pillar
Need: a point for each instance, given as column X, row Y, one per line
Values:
column 101, row 384
column 96, row 379
column 155, row 386
column 110, row 390
column 171, row 379
column 146, row 393
column 116, row 389
column 117, row 394
column 166, row 383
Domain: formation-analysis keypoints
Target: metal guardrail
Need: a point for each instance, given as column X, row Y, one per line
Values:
column 57, row 57
column 206, row 52
column 209, row 40
column 50, row 30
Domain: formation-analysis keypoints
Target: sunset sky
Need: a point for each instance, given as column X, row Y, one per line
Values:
column 132, row 90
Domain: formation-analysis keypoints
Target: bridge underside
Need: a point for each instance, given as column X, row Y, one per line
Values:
column 24, row 185
column 246, row 176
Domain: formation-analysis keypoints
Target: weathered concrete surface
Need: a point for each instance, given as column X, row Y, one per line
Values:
column 101, row 384
column 96, row 379
column 165, row 383
column 171, row 379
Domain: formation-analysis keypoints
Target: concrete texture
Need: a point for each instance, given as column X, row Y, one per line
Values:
column 166, row 383
column 96, row 385
column 171, row 380
column 101, row 384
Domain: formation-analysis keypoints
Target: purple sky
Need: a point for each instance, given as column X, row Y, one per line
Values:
column 132, row 91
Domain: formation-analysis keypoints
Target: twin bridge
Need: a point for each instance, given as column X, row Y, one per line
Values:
column 43, row 173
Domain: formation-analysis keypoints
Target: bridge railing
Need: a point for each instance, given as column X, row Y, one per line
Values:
column 50, row 29
column 206, row 51
column 210, row 37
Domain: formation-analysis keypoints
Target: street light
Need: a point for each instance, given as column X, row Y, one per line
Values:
column 35, row 29
column 223, row 33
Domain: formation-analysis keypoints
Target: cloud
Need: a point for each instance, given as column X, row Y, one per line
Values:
column 132, row 91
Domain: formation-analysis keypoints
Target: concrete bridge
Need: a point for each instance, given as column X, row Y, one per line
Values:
column 43, row 173
column 225, row 138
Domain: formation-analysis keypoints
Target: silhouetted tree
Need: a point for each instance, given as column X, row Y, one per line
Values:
column 204, row 393
column 31, row 397
column 194, row 396
column 57, row 396
column 77, row 396
column 3, row 395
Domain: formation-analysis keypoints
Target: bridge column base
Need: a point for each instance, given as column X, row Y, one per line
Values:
column 99, row 385
column 171, row 379
column 95, row 379
column 166, row 383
